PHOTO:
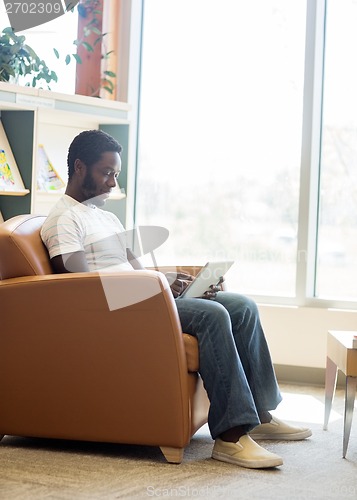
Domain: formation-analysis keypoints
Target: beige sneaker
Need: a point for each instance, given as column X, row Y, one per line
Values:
column 246, row 453
column 276, row 429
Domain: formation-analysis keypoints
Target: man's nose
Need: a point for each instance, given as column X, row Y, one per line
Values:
column 112, row 182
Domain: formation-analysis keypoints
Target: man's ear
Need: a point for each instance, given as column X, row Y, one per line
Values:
column 79, row 167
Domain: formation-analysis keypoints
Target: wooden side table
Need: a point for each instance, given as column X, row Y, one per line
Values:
column 341, row 356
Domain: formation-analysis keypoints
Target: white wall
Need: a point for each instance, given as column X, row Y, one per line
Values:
column 297, row 335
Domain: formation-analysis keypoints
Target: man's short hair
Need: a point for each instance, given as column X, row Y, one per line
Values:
column 88, row 146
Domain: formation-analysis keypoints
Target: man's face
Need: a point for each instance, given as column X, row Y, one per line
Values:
column 101, row 178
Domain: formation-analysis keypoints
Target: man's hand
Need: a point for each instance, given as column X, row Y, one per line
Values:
column 178, row 282
column 211, row 293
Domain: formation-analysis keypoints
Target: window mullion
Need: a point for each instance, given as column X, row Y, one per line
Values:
column 310, row 151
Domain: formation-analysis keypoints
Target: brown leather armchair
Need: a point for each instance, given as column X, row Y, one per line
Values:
column 72, row 369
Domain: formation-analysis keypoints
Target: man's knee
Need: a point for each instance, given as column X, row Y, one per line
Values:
column 215, row 314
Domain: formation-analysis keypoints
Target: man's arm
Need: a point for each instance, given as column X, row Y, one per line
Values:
column 178, row 282
column 70, row 263
column 76, row 262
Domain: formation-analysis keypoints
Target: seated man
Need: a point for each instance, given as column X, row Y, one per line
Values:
column 235, row 362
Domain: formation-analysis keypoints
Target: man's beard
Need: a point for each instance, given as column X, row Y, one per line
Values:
column 89, row 187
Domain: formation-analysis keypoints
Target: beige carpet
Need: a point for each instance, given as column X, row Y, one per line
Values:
column 313, row 469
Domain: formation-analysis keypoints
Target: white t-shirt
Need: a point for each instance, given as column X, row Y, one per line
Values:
column 72, row 227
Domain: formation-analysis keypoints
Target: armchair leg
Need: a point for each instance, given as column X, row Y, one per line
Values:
column 172, row 455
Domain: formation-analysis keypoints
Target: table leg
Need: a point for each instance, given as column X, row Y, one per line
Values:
column 330, row 387
column 351, row 383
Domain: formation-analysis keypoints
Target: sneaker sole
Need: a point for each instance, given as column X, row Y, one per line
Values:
column 282, row 437
column 249, row 464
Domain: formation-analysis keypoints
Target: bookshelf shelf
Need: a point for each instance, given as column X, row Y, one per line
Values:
column 21, row 192
column 32, row 118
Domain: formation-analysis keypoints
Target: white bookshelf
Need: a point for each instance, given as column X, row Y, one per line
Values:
column 31, row 117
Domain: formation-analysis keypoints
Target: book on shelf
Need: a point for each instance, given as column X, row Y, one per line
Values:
column 48, row 179
column 10, row 178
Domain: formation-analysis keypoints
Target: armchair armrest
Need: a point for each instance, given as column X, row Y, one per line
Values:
column 80, row 369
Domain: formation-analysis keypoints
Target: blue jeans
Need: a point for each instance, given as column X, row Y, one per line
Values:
column 235, row 363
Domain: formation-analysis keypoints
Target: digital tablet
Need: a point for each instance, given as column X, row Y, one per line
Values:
column 209, row 275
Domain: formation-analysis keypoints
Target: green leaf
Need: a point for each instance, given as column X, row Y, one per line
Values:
column 107, row 85
column 56, row 53
column 77, row 58
column 68, row 59
column 88, row 46
column 9, row 69
column 110, row 73
column 91, row 23
column 31, row 52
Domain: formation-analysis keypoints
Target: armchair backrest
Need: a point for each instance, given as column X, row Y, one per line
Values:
column 22, row 252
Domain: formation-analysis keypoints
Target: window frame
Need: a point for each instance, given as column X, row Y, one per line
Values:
column 310, row 151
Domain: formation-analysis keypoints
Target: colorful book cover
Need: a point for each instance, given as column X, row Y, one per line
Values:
column 48, row 178
column 7, row 181
column 10, row 178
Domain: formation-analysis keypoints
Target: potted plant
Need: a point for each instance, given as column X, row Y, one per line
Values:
column 18, row 59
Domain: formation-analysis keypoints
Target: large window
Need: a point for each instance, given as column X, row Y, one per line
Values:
column 220, row 135
column 247, row 142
